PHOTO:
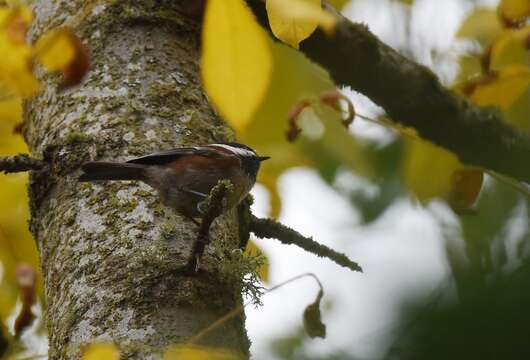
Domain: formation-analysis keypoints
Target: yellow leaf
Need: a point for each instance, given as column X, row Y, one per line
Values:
column 502, row 89
column 518, row 114
column 55, row 49
column 432, row 172
column 190, row 352
column 482, row 25
column 510, row 48
column 8, row 285
column 514, row 10
column 101, row 351
column 295, row 20
column 236, row 61
column 15, row 21
column 10, row 113
column 427, row 170
column 254, row 250
column 15, row 61
column 61, row 50
column 271, row 184
column 16, row 242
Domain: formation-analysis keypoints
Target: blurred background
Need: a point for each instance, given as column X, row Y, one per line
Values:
column 444, row 247
column 437, row 284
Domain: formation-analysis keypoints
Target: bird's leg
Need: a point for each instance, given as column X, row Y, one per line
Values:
column 192, row 192
column 200, row 205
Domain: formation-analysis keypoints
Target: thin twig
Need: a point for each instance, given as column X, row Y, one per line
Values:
column 269, row 228
column 236, row 311
column 20, row 163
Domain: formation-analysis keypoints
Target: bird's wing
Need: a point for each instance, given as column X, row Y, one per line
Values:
column 164, row 157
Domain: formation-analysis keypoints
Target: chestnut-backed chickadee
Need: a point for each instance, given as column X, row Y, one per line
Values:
column 185, row 176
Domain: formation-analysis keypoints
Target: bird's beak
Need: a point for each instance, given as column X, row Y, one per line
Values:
column 262, row 158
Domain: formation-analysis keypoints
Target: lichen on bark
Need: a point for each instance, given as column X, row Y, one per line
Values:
column 109, row 251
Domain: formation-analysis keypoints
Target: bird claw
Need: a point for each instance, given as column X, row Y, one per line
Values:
column 202, row 207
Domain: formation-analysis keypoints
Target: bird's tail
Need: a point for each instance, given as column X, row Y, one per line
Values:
column 100, row 170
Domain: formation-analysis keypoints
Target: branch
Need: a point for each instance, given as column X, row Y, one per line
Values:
column 412, row 95
column 269, row 228
column 244, row 218
column 212, row 207
column 19, row 163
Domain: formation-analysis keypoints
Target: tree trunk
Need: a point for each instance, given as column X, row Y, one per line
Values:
column 109, row 251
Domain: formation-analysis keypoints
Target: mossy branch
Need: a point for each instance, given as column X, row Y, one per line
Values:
column 20, row 163
column 269, row 228
column 412, row 95
column 212, row 207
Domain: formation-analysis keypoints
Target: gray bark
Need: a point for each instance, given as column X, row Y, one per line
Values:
column 109, row 251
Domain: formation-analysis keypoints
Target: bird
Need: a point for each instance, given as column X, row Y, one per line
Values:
column 185, row 176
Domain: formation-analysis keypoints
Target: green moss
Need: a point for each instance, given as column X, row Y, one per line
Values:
column 101, row 254
column 168, row 229
column 240, row 270
column 77, row 137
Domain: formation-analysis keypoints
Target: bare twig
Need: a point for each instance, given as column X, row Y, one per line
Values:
column 269, row 228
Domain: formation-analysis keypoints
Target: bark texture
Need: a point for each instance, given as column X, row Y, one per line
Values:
column 109, row 251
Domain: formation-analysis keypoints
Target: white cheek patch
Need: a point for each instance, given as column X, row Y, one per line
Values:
column 237, row 150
